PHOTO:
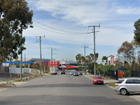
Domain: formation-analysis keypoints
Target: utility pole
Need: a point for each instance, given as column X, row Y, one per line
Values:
column 85, row 50
column 51, row 64
column 85, row 56
column 51, row 57
column 94, row 47
column 21, row 61
column 40, row 54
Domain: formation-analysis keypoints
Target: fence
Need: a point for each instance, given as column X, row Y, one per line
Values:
column 135, row 73
column 24, row 70
column 114, row 74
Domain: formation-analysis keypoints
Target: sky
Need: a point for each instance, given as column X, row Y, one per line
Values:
column 64, row 26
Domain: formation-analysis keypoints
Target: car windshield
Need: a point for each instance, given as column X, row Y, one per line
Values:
column 98, row 77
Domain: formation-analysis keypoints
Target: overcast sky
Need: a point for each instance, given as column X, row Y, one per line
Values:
column 64, row 23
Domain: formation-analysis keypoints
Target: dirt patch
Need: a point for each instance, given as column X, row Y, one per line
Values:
column 6, row 85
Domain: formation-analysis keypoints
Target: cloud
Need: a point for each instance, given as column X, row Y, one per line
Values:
column 72, row 15
column 83, row 12
column 129, row 11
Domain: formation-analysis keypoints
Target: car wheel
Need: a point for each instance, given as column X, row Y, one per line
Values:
column 123, row 91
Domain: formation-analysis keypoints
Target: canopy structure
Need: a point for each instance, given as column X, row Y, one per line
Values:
column 71, row 67
column 11, row 62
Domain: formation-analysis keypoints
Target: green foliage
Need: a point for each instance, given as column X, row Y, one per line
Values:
column 14, row 17
column 100, row 69
column 127, row 73
column 127, row 70
column 48, row 69
column 80, row 68
column 88, row 60
column 104, row 58
column 137, row 31
column 107, row 69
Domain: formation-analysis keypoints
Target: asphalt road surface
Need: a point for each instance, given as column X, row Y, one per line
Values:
column 63, row 90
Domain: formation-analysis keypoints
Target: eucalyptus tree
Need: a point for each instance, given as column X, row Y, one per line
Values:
column 15, row 16
column 88, row 60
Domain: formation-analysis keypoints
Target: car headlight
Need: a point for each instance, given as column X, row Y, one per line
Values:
column 95, row 80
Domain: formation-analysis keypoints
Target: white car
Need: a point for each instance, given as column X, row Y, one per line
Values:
column 127, row 85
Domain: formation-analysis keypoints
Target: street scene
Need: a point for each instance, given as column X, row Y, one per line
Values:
column 63, row 90
column 69, row 52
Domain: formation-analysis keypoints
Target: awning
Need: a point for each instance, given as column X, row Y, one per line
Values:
column 71, row 67
column 18, row 62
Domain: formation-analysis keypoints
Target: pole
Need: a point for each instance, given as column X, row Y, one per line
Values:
column 21, row 60
column 40, row 57
column 94, row 47
column 94, row 50
column 51, row 57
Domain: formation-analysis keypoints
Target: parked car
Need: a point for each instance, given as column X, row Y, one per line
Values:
column 98, row 80
column 71, row 73
column 127, row 85
column 80, row 73
column 62, row 72
column 75, row 74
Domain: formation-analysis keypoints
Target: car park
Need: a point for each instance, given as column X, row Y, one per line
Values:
column 75, row 74
column 97, row 79
column 127, row 85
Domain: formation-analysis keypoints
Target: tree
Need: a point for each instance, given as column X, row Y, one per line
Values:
column 137, row 31
column 88, row 60
column 104, row 58
column 80, row 68
column 118, row 64
column 79, row 58
column 14, row 17
column 130, row 51
column 36, row 65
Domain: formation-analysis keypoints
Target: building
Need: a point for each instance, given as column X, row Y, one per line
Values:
column 64, row 65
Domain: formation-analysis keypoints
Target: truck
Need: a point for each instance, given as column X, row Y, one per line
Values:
column 53, row 70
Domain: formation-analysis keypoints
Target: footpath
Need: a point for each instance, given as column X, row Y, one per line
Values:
column 135, row 96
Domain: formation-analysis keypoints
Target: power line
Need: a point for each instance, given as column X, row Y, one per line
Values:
column 48, row 43
column 51, row 29
column 86, row 35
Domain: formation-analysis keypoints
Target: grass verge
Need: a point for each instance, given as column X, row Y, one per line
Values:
column 112, row 84
column 90, row 76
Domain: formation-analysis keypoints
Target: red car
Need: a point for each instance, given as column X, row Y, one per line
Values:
column 98, row 80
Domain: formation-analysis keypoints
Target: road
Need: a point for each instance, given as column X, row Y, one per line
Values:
column 63, row 90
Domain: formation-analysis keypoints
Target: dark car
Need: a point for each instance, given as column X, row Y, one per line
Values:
column 76, row 74
column 80, row 73
column 62, row 72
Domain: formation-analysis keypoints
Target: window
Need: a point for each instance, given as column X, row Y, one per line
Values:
column 98, row 77
column 130, row 81
column 120, row 81
column 137, row 81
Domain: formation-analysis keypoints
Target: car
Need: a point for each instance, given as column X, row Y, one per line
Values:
column 75, row 74
column 71, row 73
column 80, row 73
column 62, row 72
column 97, row 79
column 127, row 85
